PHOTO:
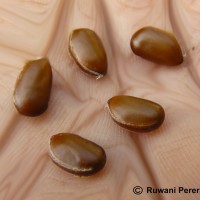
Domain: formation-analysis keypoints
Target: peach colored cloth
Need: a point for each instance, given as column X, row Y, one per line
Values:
column 167, row 157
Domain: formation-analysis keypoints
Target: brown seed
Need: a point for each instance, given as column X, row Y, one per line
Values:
column 76, row 155
column 157, row 46
column 87, row 50
column 33, row 87
column 136, row 114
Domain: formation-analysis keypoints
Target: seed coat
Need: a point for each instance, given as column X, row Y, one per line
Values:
column 76, row 155
column 86, row 48
column 136, row 114
column 156, row 45
column 33, row 88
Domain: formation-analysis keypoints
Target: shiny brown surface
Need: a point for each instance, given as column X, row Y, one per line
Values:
column 157, row 46
column 33, row 87
column 136, row 114
column 76, row 155
column 87, row 50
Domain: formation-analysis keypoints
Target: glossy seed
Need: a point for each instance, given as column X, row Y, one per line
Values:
column 136, row 114
column 157, row 45
column 76, row 155
column 86, row 48
column 33, row 87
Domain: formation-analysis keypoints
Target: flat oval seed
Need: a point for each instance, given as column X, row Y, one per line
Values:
column 33, row 87
column 136, row 114
column 87, row 50
column 76, row 155
column 157, row 46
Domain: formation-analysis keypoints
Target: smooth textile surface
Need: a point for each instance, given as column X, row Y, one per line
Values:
column 166, row 157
